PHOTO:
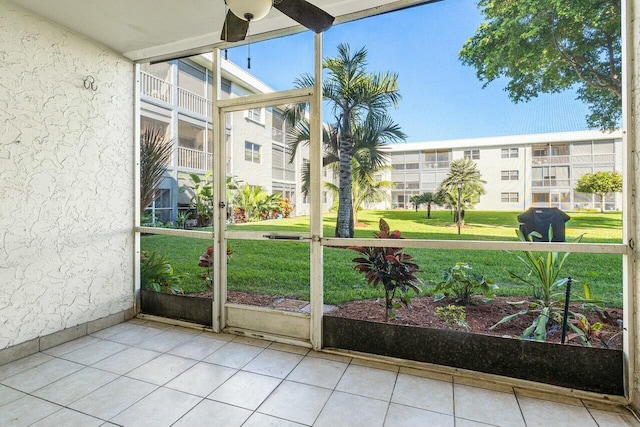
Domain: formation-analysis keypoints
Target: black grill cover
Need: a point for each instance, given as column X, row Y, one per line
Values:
column 539, row 219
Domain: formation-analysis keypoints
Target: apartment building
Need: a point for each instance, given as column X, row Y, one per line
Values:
column 520, row 171
column 177, row 97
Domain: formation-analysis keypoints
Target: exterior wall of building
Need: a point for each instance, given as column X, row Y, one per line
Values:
column 520, row 171
column 166, row 102
column 66, row 167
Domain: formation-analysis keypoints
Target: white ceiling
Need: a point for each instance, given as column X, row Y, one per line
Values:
column 151, row 29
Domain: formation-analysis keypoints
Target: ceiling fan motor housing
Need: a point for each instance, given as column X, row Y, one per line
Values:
column 250, row 10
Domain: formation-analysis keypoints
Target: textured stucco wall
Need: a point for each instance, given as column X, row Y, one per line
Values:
column 66, row 179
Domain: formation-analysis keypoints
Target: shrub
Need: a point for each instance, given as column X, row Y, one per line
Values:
column 157, row 274
column 460, row 282
column 390, row 267
column 453, row 315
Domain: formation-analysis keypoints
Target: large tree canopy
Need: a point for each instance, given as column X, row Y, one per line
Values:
column 547, row 46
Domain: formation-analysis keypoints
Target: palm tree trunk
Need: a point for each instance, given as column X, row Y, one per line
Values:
column 344, row 222
column 602, row 203
column 428, row 210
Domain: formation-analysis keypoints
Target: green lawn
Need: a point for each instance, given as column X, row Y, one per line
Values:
column 282, row 268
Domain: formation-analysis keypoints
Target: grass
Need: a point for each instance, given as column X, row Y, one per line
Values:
column 282, row 268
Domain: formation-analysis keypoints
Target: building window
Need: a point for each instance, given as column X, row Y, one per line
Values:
column 510, row 197
column 412, row 166
column 509, row 153
column 510, row 175
column 472, row 154
column 398, row 167
column 399, row 185
column 413, row 185
column 251, row 152
column 255, row 114
column 324, row 197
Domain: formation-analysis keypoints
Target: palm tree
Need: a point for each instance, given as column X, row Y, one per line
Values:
column 155, row 155
column 428, row 198
column 357, row 98
column 463, row 173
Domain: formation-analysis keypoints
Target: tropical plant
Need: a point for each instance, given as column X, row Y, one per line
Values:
column 600, row 183
column 285, row 207
column 415, row 201
column 269, row 206
column 463, row 173
column 462, row 283
column 359, row 100
column 390, row 267
column 428, row 198
column 551, row 46
column 201, row 193
column 157, row 274
column 248, row 199
column 544, row 278
column 181, row 219
column 453, row 315
column 155, row 155
column 206, row 261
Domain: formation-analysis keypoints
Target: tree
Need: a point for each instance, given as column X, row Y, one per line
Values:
column 428, row 198
column 463, row 172
column 415, row 201
column 155, row 155
column 550, row 46
column 600, row 183
column 358, row 100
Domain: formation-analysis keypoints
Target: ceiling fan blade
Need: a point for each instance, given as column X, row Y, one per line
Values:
column 305, row 13
column 234, row 28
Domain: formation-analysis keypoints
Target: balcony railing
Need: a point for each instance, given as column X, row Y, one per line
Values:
column 595, row 158
column 194, row 103
column 194, row 159
column 554, row 183
column 550, row 160
column 437, row 165
column 156, row 88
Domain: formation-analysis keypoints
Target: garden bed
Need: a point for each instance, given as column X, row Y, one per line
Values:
column 480, row 316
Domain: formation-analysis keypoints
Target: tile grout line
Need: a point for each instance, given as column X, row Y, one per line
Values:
column 524, row 419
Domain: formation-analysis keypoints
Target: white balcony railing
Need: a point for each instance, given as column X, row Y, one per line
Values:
column 156, row 88
column 194, row 103
column 436, row 165
column 194, row 159
column 553, row 183
column 550, row 160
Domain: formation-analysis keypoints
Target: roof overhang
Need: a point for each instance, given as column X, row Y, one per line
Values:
column 160, row 29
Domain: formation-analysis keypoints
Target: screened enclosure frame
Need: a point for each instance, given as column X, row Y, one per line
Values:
column 626, row 249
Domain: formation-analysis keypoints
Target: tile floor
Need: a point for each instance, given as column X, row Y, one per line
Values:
column 142, row 373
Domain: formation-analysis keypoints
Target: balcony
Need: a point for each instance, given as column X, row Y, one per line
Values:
column 194, row 103
column 194, row 159
column 551, row 183
column 436, row 165
column 550, row 160
column 156, row 88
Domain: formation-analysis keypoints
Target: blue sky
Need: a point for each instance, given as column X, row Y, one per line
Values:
column 441, row 98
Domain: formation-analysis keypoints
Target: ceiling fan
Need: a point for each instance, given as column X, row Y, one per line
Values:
column 242, row 12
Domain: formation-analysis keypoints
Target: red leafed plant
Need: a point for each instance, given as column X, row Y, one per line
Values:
column 206, row 261
column 390, row 267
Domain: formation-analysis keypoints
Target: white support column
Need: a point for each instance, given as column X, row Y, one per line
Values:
column 136, row 189
column 631, row 127
column 219, row 196
column 315, row 166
